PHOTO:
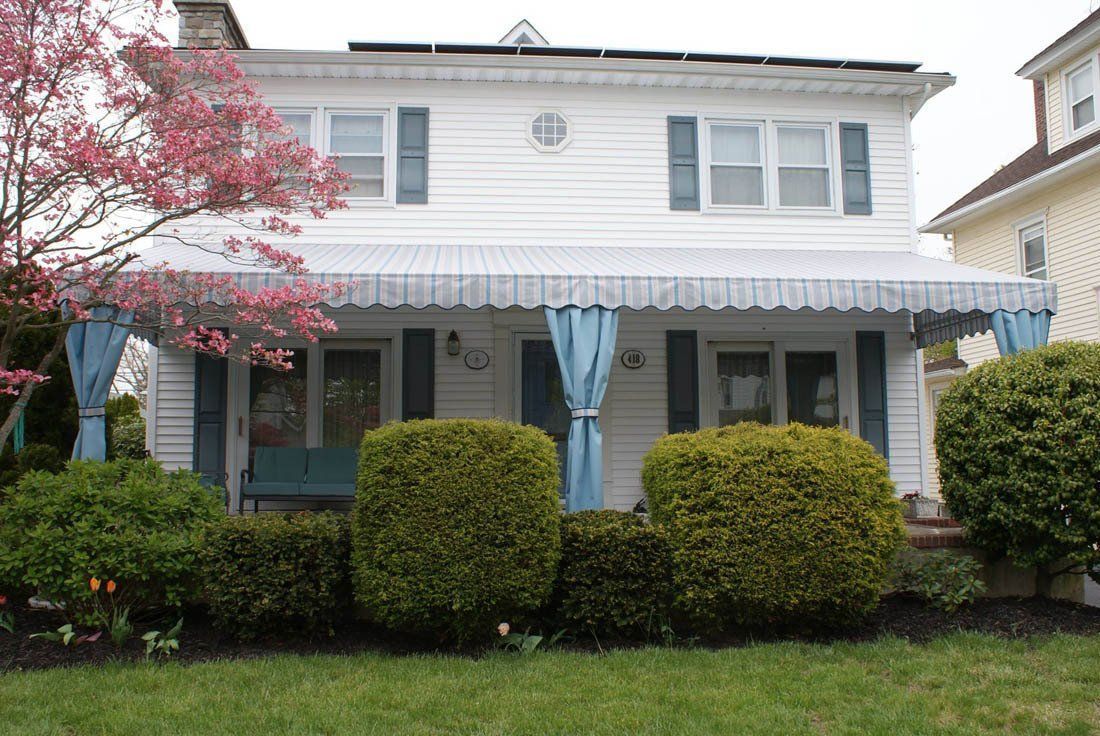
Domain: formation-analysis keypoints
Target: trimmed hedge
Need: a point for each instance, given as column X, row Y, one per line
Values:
column 1018, row 441
column 271, row 573
column 774, row 526
column 616, row 572
column 126, row 521
column 455, row 526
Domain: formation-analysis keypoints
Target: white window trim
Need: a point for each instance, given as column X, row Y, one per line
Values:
column 770, row 154
column 535, row 142
column 389, row 150
column 829, row 167
column 1018, row 229
column 1093, row 62
column 841, row 343
column 761, row 129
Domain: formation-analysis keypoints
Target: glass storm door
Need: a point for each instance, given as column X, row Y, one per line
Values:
column 744, row 390
column 543, row 398
column 813, row 391
column 351, row 395
column 277, row 401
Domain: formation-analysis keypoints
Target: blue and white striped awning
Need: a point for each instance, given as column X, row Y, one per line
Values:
column 945, row 296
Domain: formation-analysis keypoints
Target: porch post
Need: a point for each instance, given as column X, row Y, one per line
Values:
column 94, row 349
column 1022, row 330
column 584, row 341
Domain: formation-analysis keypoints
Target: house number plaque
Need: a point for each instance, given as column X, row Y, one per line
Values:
column 633, row 358
column 477, row 359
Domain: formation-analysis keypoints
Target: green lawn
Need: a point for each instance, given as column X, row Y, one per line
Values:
column 964, row 684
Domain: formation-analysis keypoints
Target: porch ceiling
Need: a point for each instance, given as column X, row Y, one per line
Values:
column 947, row 299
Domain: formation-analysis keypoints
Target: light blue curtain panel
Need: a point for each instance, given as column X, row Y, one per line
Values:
column 1016, row 331
column 95, row 349
column 584, row 341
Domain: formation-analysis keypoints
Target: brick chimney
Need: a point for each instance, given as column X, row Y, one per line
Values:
column 209, row 24
column 1040, row 110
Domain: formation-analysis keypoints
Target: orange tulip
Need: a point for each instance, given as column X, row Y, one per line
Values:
column 111, row 586
column 94, row 585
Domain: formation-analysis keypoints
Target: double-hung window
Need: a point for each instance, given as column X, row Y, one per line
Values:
column 804, row 167
column 1032, row 243
column 737, row 164
column 299, row 127
column 770, row 165
column 359, row 139
column 1081, row 92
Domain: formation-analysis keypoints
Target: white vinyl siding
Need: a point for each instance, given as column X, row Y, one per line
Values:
column 610, row 184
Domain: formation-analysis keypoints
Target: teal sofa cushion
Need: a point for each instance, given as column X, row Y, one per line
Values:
column 328, row 489
column 332, row 465
column 273, row 488
column 279, row 465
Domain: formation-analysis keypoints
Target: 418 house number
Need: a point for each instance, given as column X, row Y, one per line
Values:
column 633, row 358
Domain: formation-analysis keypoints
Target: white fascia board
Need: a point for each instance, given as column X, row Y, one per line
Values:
column 1062, row 53
column 353, row 64
column 1054, row 174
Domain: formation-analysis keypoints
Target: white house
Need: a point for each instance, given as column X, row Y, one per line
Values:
column 747, row 220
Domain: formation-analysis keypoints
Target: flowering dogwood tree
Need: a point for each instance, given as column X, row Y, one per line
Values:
column 109, row 136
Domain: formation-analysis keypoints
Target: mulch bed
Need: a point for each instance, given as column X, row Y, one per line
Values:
column 897, row 615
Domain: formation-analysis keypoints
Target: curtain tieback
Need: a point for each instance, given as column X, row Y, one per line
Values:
column 586, row 412
column 91, row 411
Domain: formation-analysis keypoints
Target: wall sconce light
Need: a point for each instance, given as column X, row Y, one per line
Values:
column 453, row 343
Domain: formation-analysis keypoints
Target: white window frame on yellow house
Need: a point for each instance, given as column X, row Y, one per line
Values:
column 1090, row 66
column 1022, row 228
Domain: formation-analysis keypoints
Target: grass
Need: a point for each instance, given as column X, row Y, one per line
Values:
column 961, row 684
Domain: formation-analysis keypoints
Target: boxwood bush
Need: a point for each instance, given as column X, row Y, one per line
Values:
column 455, row 526
column 616, row 573
column 774, row 526
column 1018, row 440
column 128, row 521
column 274, row 573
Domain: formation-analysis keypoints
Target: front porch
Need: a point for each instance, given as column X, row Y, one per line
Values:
column 705, row 337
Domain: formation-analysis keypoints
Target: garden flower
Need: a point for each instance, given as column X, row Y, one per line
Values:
column 111, row 586
column 94, row 585
column 503, row 629
column 3, row 600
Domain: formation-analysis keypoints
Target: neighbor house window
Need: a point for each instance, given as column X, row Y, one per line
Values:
column 549, row 131
column 804, row 175
column 737, row 165
column 1032, row 241
column 1081, row 90
column 359, row 139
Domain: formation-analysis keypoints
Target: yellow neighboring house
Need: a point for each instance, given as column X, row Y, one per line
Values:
column 1039, row 216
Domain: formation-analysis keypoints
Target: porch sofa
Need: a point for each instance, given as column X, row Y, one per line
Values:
column 299, row 473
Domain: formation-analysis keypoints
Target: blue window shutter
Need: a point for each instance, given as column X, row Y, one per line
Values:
column 871, row 369
column 412, row 155
column 417, row 374
column 208, row 451
column 683, row 381
column 683, row 163
column 855, row 155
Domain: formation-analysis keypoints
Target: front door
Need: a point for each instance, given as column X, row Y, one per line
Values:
column 542, row 396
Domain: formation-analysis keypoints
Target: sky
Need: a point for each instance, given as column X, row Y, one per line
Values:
column 960, row 137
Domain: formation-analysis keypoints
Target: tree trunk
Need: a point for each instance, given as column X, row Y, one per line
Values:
column 1044, row 581
column 28, row 390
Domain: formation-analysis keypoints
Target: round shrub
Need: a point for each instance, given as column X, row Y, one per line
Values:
column 774, row 526
column 455, row 526
column 616, row 572
column 128, row 437
column 32, row 457
column 126, row 521
column 273, row 573
column 1018, row 440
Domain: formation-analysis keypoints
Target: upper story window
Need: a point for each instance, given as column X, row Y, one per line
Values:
column 359, row 140
column 804, row 171
column 737, row 164
column 300, row 125
column 1031, row 239
column 770, row 165
column 549, row 131
column 1081, row 85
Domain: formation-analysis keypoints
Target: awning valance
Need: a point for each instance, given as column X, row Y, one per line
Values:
column 944, row 297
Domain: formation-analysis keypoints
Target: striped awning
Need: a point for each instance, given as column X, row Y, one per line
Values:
column 943, row 296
